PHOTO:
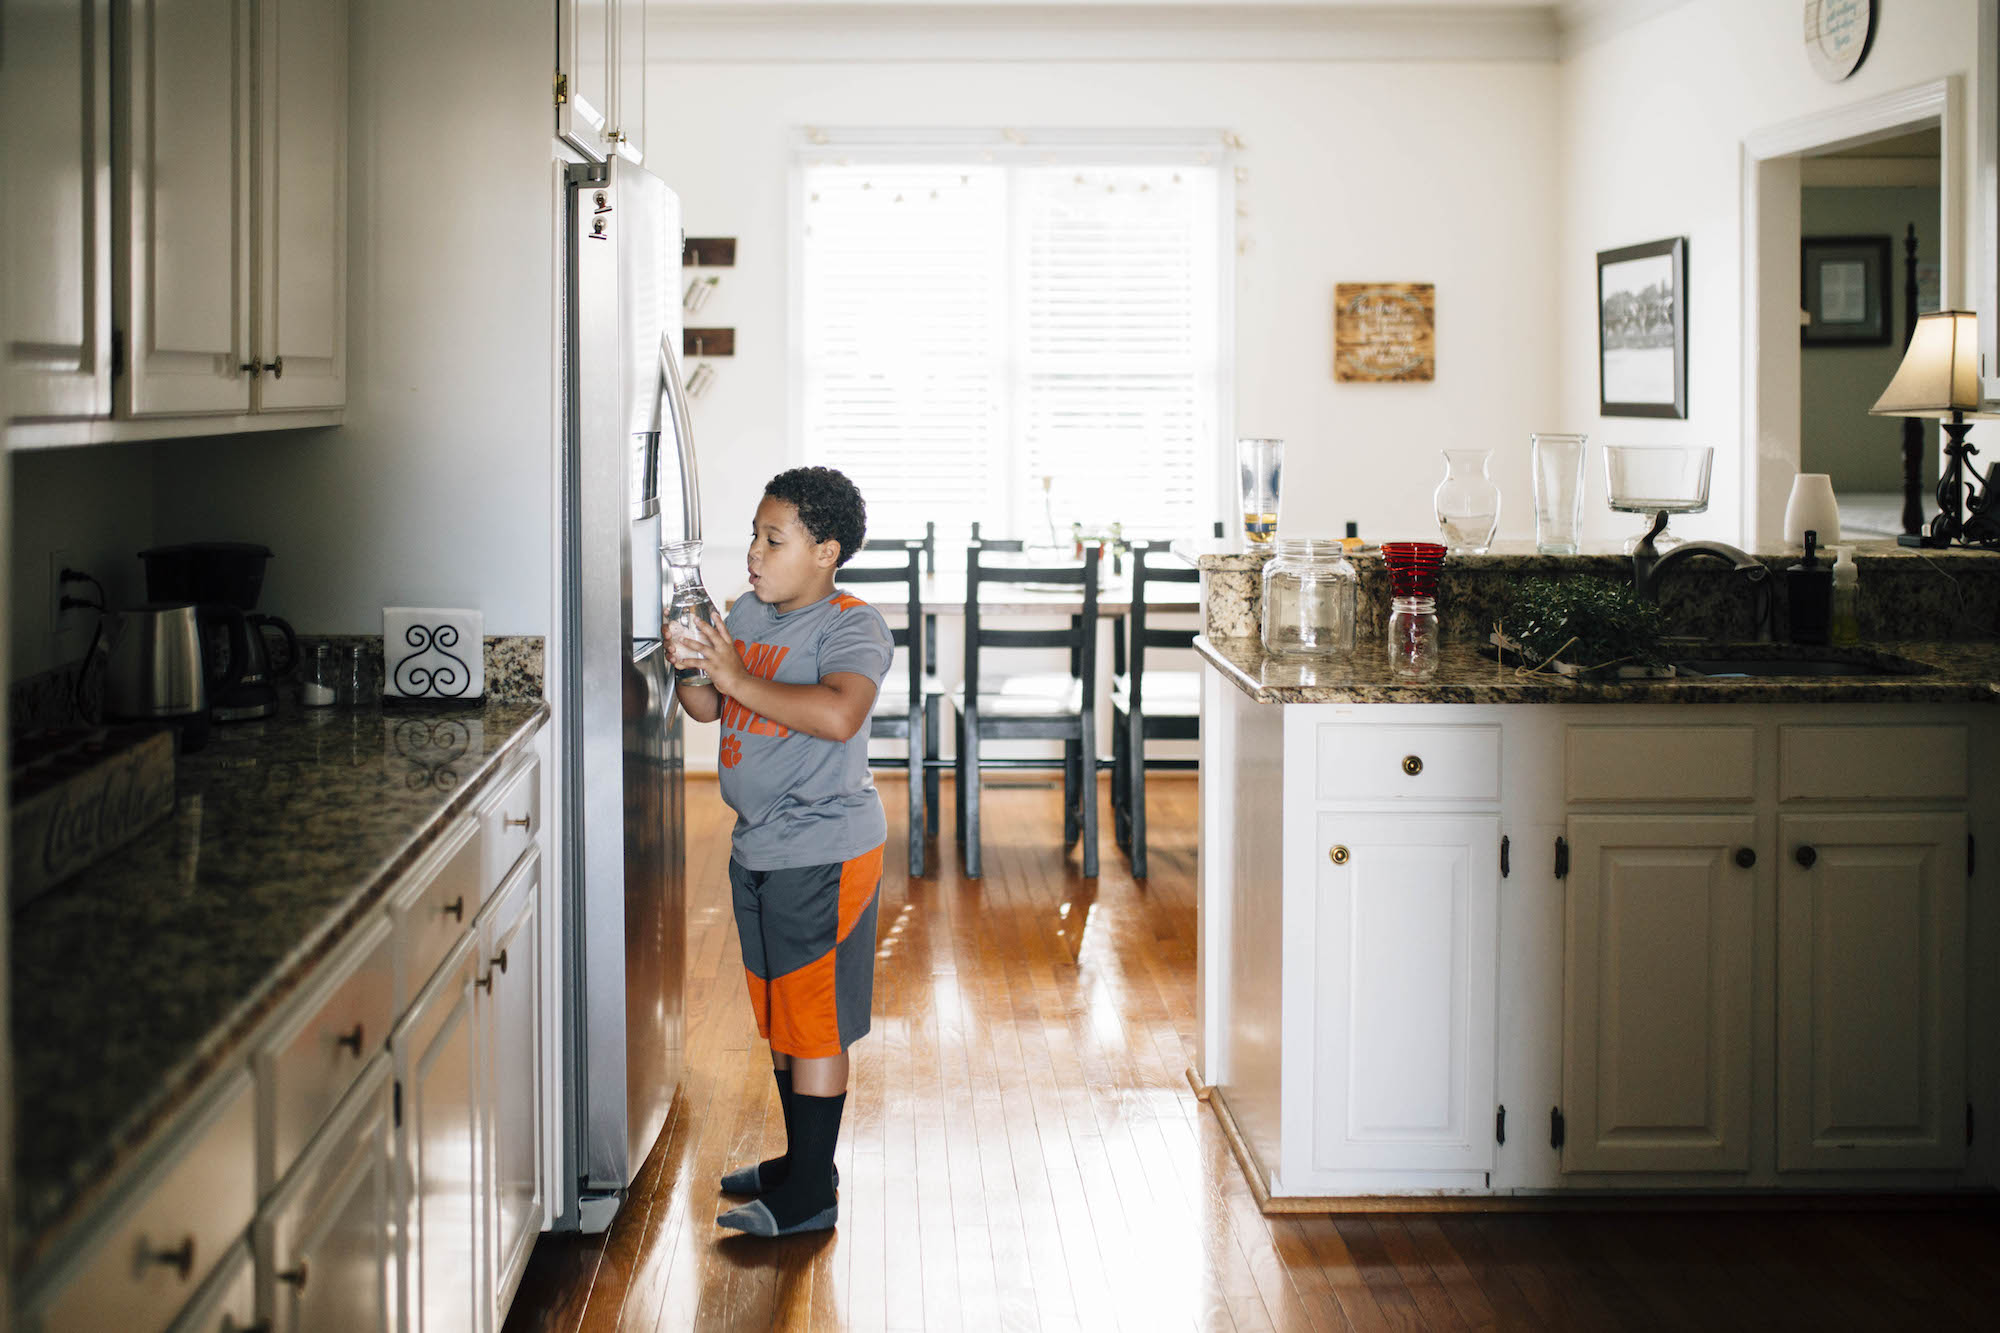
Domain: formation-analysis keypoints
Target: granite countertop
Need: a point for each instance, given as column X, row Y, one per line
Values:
column 1960, row 672
column 137, row 979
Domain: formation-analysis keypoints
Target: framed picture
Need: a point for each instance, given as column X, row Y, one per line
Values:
column 1843, row 282
column 1384, row 331
column 1642, row 330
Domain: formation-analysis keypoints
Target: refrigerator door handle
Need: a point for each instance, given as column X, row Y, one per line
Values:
column 671, row 396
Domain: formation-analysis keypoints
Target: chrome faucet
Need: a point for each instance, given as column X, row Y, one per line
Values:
column 1649, row 566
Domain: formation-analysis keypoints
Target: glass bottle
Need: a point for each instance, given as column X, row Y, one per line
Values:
column 355, row 682
column 1467, row 502
column 1310, row 597
column 688, row 602
column 1413, row 637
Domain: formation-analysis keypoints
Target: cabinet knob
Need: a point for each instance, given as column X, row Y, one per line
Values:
column 455, row 909
column 522, row 822
column 1339, row 855
column 296, row 1277
column 1412, row 765
column 1805, row 856
column 180, row 1258
column 485, row 983
column 277, row 368
column 500, row 960
column 1746, row 857
column 351, row 1040
column 252, row 368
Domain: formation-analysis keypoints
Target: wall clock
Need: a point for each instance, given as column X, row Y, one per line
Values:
column 1838, row 33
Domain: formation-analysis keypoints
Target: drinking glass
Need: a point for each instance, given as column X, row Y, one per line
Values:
column 1260, row 466
column 1558, row 463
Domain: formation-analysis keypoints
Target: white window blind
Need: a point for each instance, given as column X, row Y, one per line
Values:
column 969, row 329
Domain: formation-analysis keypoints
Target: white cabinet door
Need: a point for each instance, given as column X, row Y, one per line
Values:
column 184, row 235
column 1404, row 942
column 627, row 131
column 586, row 33
column 511, row 1068
column 300, row 337
column 326, row 1242
column 1871, row 991
column 440, row 1152
column 55, row 210
column 1657, row 1025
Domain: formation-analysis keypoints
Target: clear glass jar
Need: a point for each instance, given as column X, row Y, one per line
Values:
column 320, row 681
column 1310, row 597
column 354, row 684
column 1467, row 502
column 687, row 601
column 1413, row 637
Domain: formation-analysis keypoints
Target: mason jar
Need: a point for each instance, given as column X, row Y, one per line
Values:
column 1311, row 593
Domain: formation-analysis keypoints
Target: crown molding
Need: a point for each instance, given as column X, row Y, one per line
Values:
column 753, row 33
column 1585, row 23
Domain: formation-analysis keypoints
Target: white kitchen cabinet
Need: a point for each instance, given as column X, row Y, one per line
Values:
column 511, row 1070
column 327, row 1241
column 55, row 212
column 1401, row 939
column 228, row 1304
column 1871, row 991
column 300, row 329
column 601, row 77
column 1657, row 1031
column 183, row 238
column 439, row 1151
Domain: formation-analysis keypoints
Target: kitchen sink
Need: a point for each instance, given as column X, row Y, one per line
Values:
column 1767, row 660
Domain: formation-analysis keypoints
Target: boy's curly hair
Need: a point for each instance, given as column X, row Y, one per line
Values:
column 829, row 505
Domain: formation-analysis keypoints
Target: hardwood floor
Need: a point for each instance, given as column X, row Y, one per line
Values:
column 1022, row 1151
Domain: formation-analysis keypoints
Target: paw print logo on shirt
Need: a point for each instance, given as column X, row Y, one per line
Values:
column 731, row 752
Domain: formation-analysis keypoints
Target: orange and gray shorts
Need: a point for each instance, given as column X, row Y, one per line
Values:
column 809, row 951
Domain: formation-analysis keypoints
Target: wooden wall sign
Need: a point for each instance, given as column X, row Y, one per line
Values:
column 1384, row 331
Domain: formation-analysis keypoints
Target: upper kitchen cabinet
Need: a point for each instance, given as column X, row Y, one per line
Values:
column 232, row 236
column 55, row 213
column 601, row 77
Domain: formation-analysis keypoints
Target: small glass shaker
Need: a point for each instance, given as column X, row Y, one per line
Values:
column 319, row 683
column 356, row 685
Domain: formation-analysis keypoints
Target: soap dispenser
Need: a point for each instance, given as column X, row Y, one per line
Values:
column 1844, row 625
column 1809, row 594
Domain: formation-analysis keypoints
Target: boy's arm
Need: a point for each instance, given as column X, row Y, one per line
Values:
column 700, row 702
column 834, row 709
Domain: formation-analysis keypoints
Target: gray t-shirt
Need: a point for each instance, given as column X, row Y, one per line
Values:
column 800, row 800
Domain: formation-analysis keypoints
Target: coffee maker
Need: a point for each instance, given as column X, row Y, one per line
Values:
column 223, row 580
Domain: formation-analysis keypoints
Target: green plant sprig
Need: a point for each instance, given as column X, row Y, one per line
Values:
column 1586, row 620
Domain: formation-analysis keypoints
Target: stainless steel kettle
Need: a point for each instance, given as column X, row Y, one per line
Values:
column 153, row 666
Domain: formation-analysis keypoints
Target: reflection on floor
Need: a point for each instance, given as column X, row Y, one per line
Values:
column 1022, row 1151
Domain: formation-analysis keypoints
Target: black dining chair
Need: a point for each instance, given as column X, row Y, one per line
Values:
column 990, row 709
column 1148, row 705
column 907, row 710
column 933, row 686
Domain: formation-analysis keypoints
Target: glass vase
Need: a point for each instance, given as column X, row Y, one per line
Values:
column 1467, row 502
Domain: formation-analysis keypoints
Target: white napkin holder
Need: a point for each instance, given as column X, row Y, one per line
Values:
column 433, row 655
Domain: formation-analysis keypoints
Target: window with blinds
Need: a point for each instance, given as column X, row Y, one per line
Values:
column 1025, row 345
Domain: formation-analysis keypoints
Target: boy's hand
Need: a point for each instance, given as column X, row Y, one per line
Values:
column 713, row 651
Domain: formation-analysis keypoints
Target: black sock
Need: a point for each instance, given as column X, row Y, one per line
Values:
column 808, row 1188
column 773, row 1171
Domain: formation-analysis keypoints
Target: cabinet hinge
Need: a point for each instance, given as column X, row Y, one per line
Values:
column 1500, row 1124
column 1503, row 856
column 562, row 89
column 1555, row 1127
column 117, row 353
column 1562, row 857
column 396, row 1104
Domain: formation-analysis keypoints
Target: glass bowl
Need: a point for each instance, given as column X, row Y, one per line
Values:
column 1655, row 479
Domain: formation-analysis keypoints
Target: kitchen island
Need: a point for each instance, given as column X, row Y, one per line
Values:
column 1497, row 936
column 202, row 1022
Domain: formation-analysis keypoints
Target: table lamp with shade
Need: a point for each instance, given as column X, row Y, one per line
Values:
column 1939, row 378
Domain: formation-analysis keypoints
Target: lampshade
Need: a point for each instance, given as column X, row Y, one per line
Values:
column 1940, row 370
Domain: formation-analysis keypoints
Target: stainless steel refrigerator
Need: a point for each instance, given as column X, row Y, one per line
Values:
column 629, row 485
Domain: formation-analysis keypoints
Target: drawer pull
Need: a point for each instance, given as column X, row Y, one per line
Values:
column 522, row 822
column 455, row 909
column 500, row 960
column 296, row 1277
column 1412, row 765
column 485, row 983
column 1746, row 857
column 352, row 1041
column 1339, row 855
column 1805, row 856
column 180, row 1258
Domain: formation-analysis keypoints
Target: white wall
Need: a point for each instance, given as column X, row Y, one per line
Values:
column 1652, row 122
column 436, row 491
column 1441, row 172
column 96, row 506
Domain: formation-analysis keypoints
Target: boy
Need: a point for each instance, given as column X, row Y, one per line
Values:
column 795, row 673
